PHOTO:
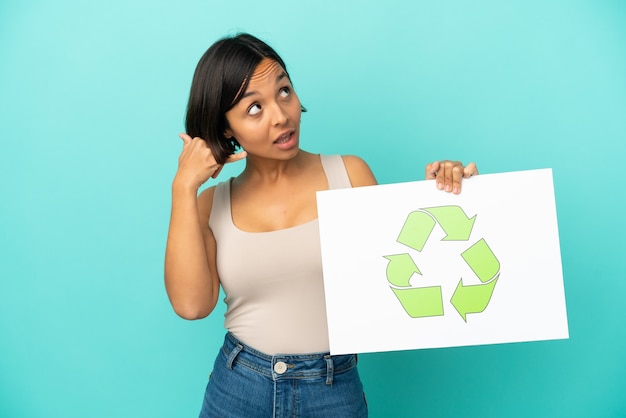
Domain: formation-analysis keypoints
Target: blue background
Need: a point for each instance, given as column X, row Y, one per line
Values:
column 92, row 97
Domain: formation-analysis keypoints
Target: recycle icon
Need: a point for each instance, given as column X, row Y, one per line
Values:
column 419, row 302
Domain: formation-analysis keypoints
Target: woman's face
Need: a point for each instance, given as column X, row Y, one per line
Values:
column 266, row 121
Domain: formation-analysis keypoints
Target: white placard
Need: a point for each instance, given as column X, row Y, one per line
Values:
column 407, row 266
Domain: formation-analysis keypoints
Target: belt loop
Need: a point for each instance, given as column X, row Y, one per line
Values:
column 329, row 369
column 233, row 355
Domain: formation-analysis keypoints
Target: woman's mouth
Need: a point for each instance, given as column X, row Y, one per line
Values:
column 283, row 138
column 286, row 140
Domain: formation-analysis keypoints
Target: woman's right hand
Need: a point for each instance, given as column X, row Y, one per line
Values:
column 196, row 163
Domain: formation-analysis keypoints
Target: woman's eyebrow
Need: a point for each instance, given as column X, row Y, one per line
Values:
column 254, row 92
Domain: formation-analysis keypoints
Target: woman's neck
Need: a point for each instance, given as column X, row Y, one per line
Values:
column 270, row 170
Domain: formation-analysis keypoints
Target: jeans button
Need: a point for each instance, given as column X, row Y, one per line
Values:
column 280, row 367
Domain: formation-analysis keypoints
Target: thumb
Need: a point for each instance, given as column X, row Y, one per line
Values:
column 470, row 170
column 186, row 138
column 431, row 170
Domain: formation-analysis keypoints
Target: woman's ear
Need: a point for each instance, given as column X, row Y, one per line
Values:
column 228, row 134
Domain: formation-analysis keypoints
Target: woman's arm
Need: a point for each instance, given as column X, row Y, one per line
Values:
column 359, row 172
column 191, row 278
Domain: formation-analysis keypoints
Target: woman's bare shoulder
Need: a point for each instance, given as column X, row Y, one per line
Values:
column 359, row 171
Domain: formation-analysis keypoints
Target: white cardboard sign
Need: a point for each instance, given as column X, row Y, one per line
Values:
column 407, row 266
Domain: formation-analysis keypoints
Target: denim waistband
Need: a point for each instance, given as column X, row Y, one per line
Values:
column 286, row 366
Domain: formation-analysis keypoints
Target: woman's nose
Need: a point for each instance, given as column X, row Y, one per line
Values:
column 279, row 115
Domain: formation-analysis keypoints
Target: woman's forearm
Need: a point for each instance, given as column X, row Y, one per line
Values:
column 190, row 281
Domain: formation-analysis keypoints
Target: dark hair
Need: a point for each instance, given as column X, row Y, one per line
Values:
column 220, row 80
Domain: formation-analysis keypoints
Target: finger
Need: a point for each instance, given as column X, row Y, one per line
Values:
column 457, row 176
column 186, row 138
column 236, row 157
column 431, row 170
column 448, row 175
column 470, row 170
column 231, row 159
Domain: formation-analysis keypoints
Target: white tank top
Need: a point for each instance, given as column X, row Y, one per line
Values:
column 273, row 280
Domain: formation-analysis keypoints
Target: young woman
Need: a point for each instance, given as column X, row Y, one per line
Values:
column 257, row 236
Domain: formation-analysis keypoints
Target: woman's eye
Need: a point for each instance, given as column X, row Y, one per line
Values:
column 285, row 91
column 254, row 109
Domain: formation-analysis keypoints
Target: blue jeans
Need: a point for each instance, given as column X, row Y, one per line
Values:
column 246, row 383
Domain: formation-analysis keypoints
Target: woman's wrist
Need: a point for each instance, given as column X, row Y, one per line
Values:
column 180, row 186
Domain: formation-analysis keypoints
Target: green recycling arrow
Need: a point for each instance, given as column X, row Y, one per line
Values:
column 419, row 302
column 472, row 299
column 416, row 230
column 455, row 223
column 481, row 260
column 400, row 269
column 420, row 223
column 475, row 298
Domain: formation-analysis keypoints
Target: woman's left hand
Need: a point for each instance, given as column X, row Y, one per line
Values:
column 449, row 174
